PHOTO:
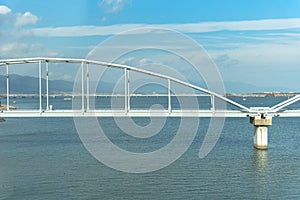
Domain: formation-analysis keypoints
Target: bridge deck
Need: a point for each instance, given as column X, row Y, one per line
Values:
column 138, row 113
column 122, row 113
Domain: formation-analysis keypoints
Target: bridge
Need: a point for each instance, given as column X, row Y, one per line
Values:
column 260, row 117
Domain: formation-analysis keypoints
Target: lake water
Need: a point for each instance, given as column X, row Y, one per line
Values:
column 43, row 158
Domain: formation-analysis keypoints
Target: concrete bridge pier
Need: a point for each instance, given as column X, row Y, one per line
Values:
column 261, row 123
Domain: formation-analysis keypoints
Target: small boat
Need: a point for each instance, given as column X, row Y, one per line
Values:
column 244, row 99
column 67, row 99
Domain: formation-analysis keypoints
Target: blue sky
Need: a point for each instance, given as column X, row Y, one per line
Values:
column 255, row 42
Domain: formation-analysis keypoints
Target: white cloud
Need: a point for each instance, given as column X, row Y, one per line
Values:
column 25, row 19
column 254, row 25
column 4, row 10
column 284, row 34
column 260, row 64
column 78, row 31
column 224, row 61
column 7, row 17
column 13, row 49
column 17, row 50
column 12, row 29
column 113, row 6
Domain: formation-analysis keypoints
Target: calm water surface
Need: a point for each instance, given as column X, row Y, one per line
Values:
column 43, row 158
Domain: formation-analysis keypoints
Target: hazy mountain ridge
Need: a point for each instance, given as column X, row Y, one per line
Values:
column 29, row 85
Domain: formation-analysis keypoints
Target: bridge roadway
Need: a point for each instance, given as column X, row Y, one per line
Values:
column 141, row 113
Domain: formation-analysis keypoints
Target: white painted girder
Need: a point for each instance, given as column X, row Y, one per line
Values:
column 139, row 113
column 122, row 113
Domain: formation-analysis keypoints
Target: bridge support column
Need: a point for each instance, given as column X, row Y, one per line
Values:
column 261, row 124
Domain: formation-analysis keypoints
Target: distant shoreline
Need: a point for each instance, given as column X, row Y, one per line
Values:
column 4, row 107
column 259, row 94
column 264, row 94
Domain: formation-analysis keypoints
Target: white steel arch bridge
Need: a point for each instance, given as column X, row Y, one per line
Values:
column 260, row 116
column 241, row 111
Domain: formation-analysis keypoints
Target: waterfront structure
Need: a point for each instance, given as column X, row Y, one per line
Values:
column 260, row 117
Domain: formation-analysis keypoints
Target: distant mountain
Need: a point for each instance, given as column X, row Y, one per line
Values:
column 29, row 85
column 240, row 88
